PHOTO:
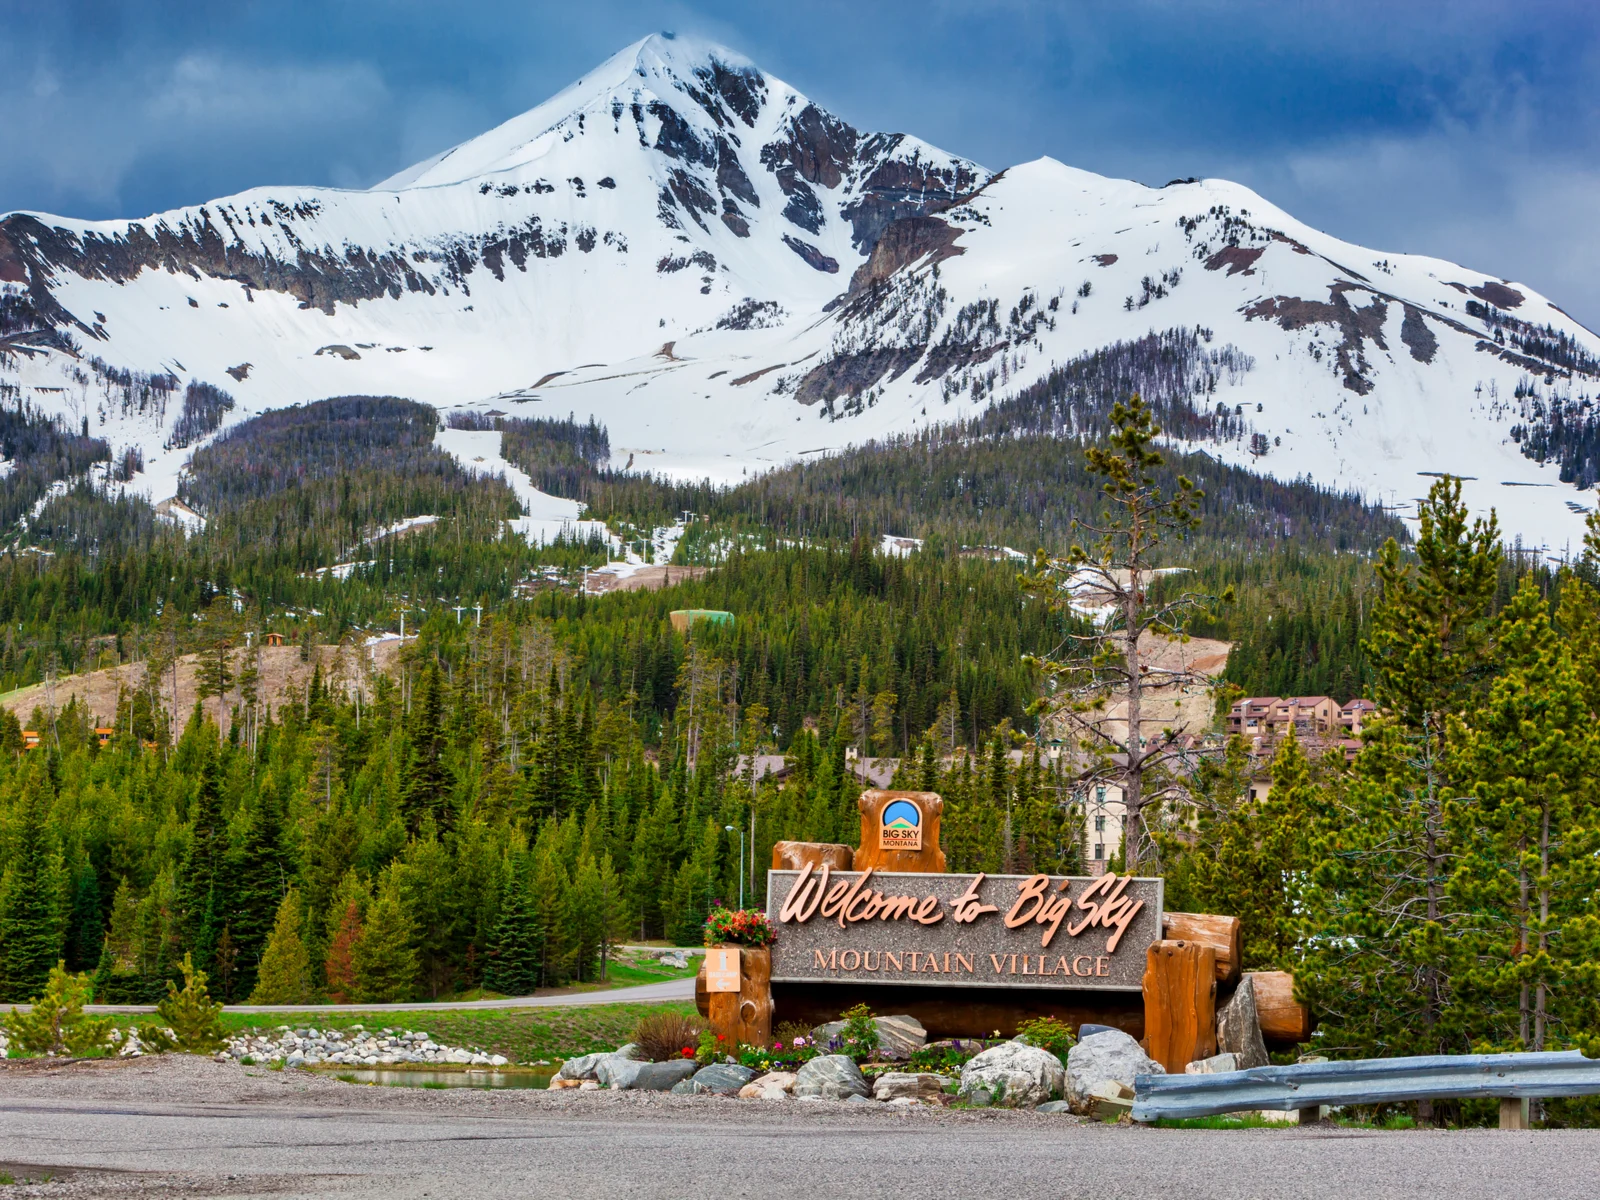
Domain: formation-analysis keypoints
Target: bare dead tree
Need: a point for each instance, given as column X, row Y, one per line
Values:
column 1109, row 575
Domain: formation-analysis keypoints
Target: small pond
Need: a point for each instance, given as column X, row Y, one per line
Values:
column 409, row 1077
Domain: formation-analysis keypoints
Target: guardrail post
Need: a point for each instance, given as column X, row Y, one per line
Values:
column 1513, row 1112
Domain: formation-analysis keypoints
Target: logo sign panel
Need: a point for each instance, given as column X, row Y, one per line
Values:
column 722, row 969
column 1011, row 931
column 900, row 827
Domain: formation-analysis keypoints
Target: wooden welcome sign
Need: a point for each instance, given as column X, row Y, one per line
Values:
column 898, row 917
column 996, row 931
column 969, row 953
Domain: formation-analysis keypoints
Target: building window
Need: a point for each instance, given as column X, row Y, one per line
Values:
column 1100, row 795
column 1099, row 824
column 1100, row 851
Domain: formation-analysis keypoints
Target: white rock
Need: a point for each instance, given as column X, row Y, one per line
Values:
column 1217, row 1064
column 1111, row 1054
column 498, row 1060
column 1013, row 1074
column 775, row 1085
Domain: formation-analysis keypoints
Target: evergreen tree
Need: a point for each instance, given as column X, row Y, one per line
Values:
column 30, row 910
column 1382, row 956
column 259, row 870
column 1528, row 831
column 285, row 973
column 552, row 911
column 425, row 783
column 203, row 884
column 513, row 964
column 1248, row 857
column 385, row 961
column 190, row 1012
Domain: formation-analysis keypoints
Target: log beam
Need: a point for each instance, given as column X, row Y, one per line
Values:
column 1282, row 1017
column 1209, row 929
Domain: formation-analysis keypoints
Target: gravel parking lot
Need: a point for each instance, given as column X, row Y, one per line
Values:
column 184, row 1126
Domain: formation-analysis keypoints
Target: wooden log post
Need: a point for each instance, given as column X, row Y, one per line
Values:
column 900, row 832
column 742, row 1017
column 755, row 996
column 791, row 856
column 1219, row 932
column 1180, row 1003
column 1283, row 1019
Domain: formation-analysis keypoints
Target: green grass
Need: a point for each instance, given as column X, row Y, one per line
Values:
column 1252, row 1120
column 523, row 1035
column 1225, row 1121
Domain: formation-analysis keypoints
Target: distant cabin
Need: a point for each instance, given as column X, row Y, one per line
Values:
column 274, row 639
column 685, row 618
column 104, row 735
column 30, row 740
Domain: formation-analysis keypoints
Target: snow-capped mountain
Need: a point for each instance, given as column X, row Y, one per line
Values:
column 730, row 277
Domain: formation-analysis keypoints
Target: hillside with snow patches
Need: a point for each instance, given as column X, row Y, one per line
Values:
column 731, row 278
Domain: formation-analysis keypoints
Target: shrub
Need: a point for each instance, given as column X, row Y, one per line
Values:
column 859, row 1038
column 740, row 926
column 663, row 1037
column 57, row 1024
column 195, row 1021
column 1047, row 1033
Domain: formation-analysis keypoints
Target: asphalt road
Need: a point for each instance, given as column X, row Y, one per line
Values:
column 644, row 993
column 747, row 1149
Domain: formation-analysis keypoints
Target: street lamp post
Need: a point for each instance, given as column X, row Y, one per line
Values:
column 740, row 832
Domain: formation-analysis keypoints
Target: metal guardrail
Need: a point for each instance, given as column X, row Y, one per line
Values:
column 1366, row 1081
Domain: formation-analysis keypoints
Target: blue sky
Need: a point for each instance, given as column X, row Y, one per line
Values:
column 1470, row 130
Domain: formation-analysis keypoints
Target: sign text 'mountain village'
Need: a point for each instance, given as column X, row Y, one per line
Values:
column 950, row 930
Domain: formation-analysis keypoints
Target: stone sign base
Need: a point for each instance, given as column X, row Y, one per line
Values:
column 956, row 1012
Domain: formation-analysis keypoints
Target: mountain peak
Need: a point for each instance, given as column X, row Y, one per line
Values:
column 675, row 70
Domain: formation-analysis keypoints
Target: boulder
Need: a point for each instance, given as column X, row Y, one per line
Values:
column 1013, row 1074
column 1239, row 1027
column 899, row 1037
column 775, row 1085
column 1055, row 1106
column 829, row 1077
column 1111, row 1054
column 617, row 1072
column 1217, row 1064
column 1088, row 1028
column 656, row 1077
column 858, row 1099
column 724, row 1079
column 585, row 1066
column 895, row 1085
column 684, row 1087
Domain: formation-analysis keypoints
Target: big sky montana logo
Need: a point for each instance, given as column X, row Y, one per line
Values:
column 901, row 828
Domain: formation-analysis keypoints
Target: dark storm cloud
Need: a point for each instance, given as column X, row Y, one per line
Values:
column 1467, row 130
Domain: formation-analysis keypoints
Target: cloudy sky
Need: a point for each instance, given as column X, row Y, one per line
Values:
column 1468, row 129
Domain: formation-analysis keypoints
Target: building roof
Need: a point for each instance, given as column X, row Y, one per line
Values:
column 762, row 766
